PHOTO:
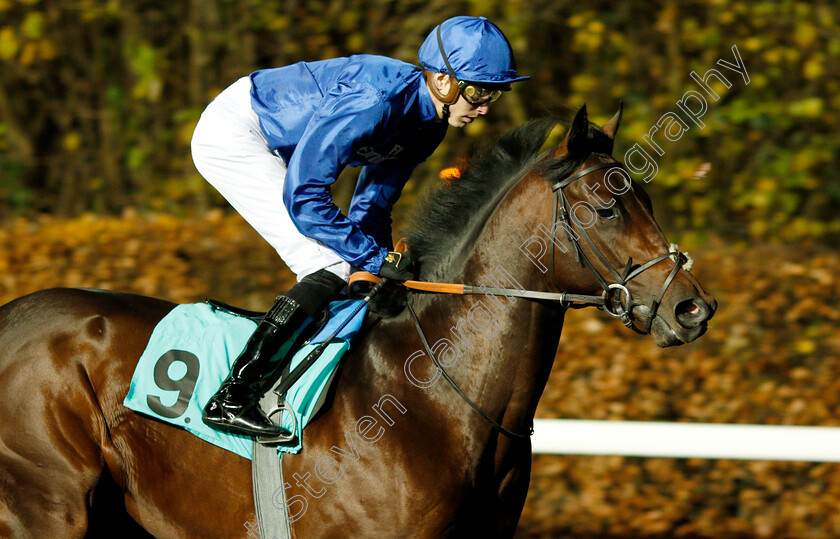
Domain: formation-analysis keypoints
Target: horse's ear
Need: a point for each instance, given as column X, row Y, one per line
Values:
column 575, row 139
column 611, row 127
column 579, row 131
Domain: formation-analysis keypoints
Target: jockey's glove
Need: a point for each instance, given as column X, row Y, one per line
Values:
column 397, row 267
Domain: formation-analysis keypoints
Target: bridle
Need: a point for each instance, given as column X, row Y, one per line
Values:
column 608, row 300
column 612, row 302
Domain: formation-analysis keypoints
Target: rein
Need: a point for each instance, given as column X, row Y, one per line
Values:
column 606, row 301
column 563, row 298
column 457, row 389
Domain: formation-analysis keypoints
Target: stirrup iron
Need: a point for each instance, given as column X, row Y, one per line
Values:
column 280, row 438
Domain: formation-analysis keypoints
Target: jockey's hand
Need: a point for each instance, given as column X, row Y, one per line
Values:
column 397, row 267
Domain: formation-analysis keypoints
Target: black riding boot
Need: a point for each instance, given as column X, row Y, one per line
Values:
column 235, row 407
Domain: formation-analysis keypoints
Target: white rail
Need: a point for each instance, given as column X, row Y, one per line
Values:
column 686, row 440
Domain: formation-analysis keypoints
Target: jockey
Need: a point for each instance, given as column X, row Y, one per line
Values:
column 274, row 141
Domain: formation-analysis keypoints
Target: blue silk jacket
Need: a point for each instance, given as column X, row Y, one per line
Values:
column 368, row 111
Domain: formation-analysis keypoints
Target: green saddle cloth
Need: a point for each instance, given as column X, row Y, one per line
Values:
column 191, row 351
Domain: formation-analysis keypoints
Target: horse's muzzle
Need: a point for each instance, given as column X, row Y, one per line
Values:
column 693, row 312
column 689, row 321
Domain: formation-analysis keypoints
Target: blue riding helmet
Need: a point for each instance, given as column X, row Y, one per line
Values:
column 474, row 48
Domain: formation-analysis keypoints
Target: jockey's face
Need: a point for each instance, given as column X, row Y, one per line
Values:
column 463, row 112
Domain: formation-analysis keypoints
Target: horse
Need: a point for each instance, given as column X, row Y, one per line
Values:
column 398, row 451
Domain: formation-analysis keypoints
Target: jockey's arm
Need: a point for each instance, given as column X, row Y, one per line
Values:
column 380, row 184
column 327, row 145
column 377, row 190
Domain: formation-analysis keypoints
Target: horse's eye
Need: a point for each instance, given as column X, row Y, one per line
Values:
column 607, row 213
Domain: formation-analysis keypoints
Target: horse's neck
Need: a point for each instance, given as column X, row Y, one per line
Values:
column 507, row 344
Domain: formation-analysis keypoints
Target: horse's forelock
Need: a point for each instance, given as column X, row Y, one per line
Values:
column 597, row 142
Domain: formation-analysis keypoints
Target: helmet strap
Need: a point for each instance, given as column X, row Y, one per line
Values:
column 445, row 112
column 454, row 89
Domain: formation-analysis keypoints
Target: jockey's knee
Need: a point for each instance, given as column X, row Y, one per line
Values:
column 316, row 290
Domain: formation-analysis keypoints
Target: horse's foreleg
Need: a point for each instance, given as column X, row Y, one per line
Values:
column 50, row 460
column 513, row 489
column 39, row 497
column 47, row 473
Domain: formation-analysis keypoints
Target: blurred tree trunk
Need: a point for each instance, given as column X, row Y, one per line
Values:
column 203, row 19
column 22, row 147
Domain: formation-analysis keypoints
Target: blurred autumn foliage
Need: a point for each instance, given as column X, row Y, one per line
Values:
column 180, row 259
column 98, row 98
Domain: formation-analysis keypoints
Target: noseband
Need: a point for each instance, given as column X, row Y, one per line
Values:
column 613, row 305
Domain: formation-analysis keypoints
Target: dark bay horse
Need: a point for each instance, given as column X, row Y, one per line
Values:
column 398, row 453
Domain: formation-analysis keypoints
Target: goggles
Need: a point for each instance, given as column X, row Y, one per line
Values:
column 477, row 95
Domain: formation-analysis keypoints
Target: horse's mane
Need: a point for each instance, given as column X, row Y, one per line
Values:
column 448, row 215
column 451, row 211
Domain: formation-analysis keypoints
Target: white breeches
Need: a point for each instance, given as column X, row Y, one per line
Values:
column 230, row 150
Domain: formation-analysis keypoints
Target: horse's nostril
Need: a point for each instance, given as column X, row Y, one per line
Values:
column 691, row 313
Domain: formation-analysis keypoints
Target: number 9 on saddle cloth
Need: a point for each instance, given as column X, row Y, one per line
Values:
column 191, row 351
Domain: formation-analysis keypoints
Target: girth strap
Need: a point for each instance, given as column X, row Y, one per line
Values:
column 269, row 488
